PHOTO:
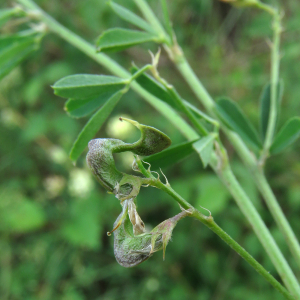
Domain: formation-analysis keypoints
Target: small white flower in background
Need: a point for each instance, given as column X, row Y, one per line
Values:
column 8, row 117
column 54, row 185
column 117, row 129
column 152, row 284
column 80, row 183
column 126, row 160
column 58, row 155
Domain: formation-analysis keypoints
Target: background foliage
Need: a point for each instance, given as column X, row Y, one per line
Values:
column 54, row 216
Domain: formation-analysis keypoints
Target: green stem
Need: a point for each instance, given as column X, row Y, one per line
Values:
column 246, row 256
column 140, row 72
column 205, row 117
column 244, row 153
column 269, row 9
column 167, row 20
column 283, row 225
column 275, row 61
column 195, row 84
column 246, row 206
column 181, row 104
column 201, row 129
column 144, row 7
column 266, row 191
column 211, row 224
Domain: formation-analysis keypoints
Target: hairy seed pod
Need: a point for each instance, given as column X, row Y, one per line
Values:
column 101, row 161
column 130, row 249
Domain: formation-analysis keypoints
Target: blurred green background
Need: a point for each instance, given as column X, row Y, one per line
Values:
column 54, row 216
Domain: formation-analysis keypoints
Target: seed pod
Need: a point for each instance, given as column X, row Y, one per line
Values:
column 151, row 141
column 101, row 161
column 131, row 250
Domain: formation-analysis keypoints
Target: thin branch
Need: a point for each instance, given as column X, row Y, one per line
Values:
column 275, row 61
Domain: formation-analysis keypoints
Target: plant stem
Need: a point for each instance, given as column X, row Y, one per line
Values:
column 180, row 103
column 202, row 114
column 246, row 206
column 275, row 61
column 244, row 153
column 168, row 23
column 195, row 84
column 211, row 224
column 140, row 72
column 144, row 7
column 283, row 225
column 269, row 9
column 201, row 129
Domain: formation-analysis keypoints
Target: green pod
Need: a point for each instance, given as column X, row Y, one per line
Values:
column 130, row 249
column 151, row 141
column 101, row 161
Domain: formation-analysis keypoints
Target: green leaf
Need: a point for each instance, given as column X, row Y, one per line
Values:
column 11, row 51
column 93, row 125
column 14, row 50
column 265, row 101
column 5, row 68
column 204, row 148
column 81, row 108
column 130, row 17
column 288, row 134
column 232, row 115
column 8, row 13
column 170, row 156
column 84, row 86
column 22, row 36
column 118, row 39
